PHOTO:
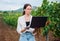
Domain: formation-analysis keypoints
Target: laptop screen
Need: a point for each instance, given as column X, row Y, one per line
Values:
column 38, row 22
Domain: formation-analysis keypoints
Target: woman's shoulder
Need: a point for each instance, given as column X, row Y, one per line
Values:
column 20, row 17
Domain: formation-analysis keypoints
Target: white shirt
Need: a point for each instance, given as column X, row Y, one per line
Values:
column 21, row 24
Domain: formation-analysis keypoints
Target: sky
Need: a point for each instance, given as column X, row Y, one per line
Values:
column 16, row 4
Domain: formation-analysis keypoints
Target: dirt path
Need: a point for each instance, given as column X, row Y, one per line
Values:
column 6, row 33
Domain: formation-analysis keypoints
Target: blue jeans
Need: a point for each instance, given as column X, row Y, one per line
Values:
column 27, row 37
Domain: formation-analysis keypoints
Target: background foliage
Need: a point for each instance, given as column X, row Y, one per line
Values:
column 52, row 11
column 11, row 18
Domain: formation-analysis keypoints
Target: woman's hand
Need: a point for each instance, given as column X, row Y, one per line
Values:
column 35, row 33
column 25, row 28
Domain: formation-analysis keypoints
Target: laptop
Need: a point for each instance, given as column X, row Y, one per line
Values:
column 38, row 22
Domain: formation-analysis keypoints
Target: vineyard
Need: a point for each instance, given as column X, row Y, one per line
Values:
column 51, row 10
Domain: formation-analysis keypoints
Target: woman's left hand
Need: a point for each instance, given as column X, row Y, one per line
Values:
column 34, row 33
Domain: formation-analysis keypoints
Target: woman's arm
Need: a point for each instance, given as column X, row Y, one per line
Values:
column 20, row 30
column 19, row 26
column 23, row 30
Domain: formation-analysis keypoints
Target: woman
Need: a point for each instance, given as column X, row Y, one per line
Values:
column 23, row 27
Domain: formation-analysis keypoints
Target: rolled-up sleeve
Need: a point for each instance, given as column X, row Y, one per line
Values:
column 19, row 26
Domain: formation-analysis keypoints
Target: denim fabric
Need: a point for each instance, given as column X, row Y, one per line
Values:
column 28, row 36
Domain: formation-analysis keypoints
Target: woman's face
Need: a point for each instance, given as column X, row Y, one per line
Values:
column 28, row 10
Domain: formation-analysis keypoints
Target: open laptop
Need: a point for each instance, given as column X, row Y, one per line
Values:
column 38, row 22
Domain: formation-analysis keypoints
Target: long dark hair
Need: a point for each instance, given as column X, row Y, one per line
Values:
column 25, row 6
